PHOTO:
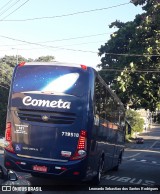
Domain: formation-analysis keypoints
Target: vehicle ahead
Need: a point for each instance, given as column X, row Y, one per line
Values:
column 63, row 120
column 10, row 178
column 139, row 140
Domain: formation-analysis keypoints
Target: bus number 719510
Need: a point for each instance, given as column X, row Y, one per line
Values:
column 69, row 134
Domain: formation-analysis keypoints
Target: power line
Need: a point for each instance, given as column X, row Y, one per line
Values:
column 37, row 48
column 79, row 37
column 66, row 15
column 47, row 46
column 66, row 39
column 6, row 5
column 82, row 43
column 9, row 8
column 86, row 51
column 15, row 10
column 133, row 55
column 130, row 70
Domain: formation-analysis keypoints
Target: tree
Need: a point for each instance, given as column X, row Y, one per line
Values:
column 135, row 121
column 7, row 64
column 130, row 60
column 47, row 58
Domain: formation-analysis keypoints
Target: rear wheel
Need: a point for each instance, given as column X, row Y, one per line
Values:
column 96, row 180
column 119, row 161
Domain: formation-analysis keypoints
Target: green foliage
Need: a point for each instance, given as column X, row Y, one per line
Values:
column 47, row 58
column 3, row 107
column 140, row 40
column 7, row 64
column 135, row 121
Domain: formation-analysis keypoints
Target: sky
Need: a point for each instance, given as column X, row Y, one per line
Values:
column 72, row 37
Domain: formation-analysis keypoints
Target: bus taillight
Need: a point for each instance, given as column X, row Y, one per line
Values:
column 8, row 138
column 81, row 150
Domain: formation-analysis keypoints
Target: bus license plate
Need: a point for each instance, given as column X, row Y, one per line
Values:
column 40, row 168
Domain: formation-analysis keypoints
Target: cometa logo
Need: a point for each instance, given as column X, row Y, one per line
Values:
column 28, row 101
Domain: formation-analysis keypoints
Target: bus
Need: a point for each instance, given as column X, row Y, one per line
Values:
column 63, row 121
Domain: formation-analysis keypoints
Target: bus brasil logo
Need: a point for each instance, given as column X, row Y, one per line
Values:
column 28, row 101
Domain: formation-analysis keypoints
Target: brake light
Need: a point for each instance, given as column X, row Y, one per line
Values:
column 84, row 67
column 8, row 138
column 8, row 132
column 82, row 140
column 81, row 150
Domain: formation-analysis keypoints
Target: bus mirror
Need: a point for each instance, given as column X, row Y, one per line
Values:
column 12, row 176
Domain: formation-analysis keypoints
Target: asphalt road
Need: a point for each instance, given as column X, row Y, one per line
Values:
column 140, row 168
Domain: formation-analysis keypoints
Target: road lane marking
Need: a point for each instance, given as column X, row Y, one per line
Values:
column 143, row 160
column 154, row 144
column 131, row 180
column 146, row 162
column 28, row 176
column 132, row 159
column 131, row 156
column 154, row 162
column 136, row 150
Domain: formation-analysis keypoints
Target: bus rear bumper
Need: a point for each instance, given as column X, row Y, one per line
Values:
column 71, row 170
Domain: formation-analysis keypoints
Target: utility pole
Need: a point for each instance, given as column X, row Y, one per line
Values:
column 16, row 55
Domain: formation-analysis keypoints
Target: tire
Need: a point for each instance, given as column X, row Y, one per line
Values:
column 96, row 180
column 119, row 161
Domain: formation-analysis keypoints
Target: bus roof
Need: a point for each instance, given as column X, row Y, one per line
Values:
column 55, row 63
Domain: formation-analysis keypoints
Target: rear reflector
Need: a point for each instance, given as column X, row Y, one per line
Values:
column 18, row 162
column 7, row 163
column 81, row 150
column 22, row 163
column 76, row 173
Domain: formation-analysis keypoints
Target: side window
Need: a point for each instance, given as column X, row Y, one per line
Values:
column 97, row 96
column 103, row 102
column 117, row 113
column 121, row 118
column 100, row 99
column 109, row 108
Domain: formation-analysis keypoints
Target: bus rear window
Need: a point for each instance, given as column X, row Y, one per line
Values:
column 50, row 79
